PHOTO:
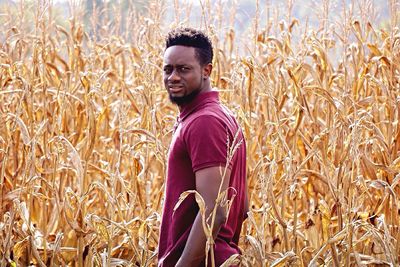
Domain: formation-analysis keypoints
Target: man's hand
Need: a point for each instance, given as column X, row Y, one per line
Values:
column 208, row 182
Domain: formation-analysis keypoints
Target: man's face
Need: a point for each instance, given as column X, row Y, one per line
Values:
column 184, row 77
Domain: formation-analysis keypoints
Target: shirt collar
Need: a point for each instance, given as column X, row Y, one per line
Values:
column 200, row 100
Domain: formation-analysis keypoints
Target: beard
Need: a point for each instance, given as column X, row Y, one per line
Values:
column 181, row 100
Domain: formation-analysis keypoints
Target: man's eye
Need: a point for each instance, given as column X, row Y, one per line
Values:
column 184, row 69
column 167, row 70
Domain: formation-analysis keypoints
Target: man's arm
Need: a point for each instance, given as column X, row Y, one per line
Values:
column 208, row 181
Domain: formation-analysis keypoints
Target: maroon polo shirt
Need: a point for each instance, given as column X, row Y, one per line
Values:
column 200, row 141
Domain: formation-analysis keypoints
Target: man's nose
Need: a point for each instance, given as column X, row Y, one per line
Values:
column 174, row 76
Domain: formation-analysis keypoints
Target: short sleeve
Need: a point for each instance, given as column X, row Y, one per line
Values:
column 206, row 141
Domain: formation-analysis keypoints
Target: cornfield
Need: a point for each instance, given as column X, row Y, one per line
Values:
column 85, row 127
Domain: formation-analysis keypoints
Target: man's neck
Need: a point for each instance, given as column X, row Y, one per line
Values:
column 207, row 89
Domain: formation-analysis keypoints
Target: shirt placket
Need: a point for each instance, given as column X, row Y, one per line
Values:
column 177, row 122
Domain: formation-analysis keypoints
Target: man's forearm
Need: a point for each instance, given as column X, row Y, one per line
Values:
column 194, row 252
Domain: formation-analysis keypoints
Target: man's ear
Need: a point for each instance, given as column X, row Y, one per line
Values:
column 207, row 69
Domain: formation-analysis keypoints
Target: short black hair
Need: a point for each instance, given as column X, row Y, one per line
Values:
column 193, row 38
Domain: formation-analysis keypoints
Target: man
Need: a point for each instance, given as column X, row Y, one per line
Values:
column 198, row 156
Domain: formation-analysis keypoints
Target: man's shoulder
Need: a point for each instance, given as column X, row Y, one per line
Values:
column 210, row 114
column 215, row 109
column 218, row 118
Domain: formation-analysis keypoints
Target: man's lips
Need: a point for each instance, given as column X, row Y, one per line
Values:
column 175, row 88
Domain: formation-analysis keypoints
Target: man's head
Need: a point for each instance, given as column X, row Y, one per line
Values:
column 187, row 64
column 192, row 38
